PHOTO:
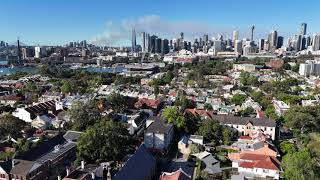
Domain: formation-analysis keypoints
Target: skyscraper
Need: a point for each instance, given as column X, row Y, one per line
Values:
column 164, row 46
column 134, row 41
column 205, row 38
column 235, row 36
column 273, row 38
column 157, row 48
column 303, row 30
column 279, row 42
column 143, row 34
column 19, row 52
column 252, row 29
column 316, row 42
column 261, row 44
column 182, row 35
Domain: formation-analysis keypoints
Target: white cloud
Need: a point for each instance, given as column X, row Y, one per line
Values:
column 120, row 33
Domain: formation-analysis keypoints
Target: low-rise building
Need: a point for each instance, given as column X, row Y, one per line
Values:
column 248, row 125
column 158, row 135
column 280, row 107
column 244, row 67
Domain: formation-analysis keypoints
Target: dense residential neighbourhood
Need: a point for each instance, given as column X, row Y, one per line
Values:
column 163, row 108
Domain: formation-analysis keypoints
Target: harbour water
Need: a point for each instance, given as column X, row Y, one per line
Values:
column 12, row 70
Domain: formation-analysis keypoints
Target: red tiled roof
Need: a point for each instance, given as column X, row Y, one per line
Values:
column 245, row 137
column 246, row 164
column 148, row 102
column 259, row 161
column 200, row 112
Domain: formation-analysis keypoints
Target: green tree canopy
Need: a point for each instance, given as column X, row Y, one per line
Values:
column 10, row 125
column 174, row 115
column 83, row 115
column 238, row 99
column 299, row 165
column 105, row 141
column 211, row 130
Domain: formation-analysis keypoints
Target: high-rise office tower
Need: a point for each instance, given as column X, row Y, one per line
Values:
column 147, row 42
column 182, row 35
column 261, row 44
column 316, row 42
column 134, row 40
column 279, row 42
column 206, row 38
column 273, row 38
column 303, row 30
column 26, row 52
column 152, row 43
column 308, row 41
column 297, row 42
column 143, row 34
column 235, row 36
column 252, row 29
column 38, row 52
column 158, row 45
column 303, row 43
column 164, row 46
column 238, row 46
column 19, row 52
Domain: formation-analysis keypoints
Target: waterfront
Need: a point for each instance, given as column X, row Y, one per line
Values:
column 12, row 70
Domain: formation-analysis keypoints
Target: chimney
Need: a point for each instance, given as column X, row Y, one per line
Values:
column 68, row 171
column 82, row 165
column 59, row 177
column 13, row 163
column 109, row 174
column 93, row 176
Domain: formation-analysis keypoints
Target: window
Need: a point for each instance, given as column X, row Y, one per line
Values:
column 265, row 170
column 2, row 176
column 265, row 128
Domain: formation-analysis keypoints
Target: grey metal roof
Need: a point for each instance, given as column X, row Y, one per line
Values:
column 159, row 126
column 59, row 151
column 212, row 165
column 139, row 166
column 72, row 135
column 237, row 120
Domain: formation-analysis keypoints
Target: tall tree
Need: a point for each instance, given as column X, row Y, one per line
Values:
column 83, row 115
column 174, row 115
column 105, row 141
column 299, row 165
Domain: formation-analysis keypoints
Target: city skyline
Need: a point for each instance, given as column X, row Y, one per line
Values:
column 76, row 20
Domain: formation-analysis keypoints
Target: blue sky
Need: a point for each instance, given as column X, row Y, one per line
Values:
column 51, row 22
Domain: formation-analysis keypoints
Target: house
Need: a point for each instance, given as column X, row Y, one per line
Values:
column 158, row 135
column 29, row 113
column 49, row 96
column 177, row 175
column 45, row 159
column 205, row 114
column 212, row 165
column 249, row 103
column 145, row 103
column 256, row 165
column 137, row 122
column 141, row 165
column 86, row 172
column 248, row 125
column 10, row 99
column 244, row 67
column 5, row 168
column 280, row 107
